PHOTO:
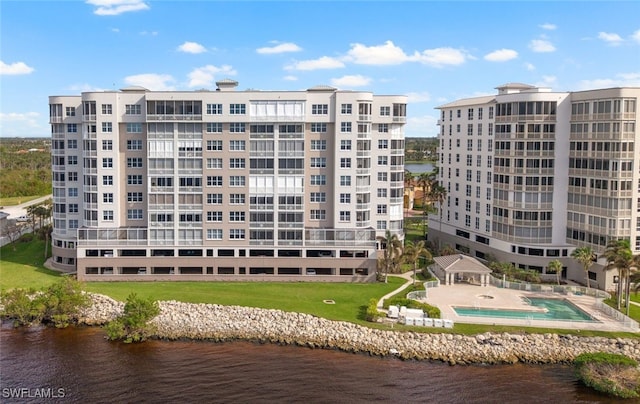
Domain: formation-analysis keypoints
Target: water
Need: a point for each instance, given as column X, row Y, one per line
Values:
column 419, row 168
column 85, row 367
column 557, row 309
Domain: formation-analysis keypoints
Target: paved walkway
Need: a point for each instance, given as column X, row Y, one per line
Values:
column 408, row 276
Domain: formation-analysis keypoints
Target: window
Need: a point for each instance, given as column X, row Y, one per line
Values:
column 381, row 225
column 318, row 180
column 318, row 127
column 132, row 109
column 318, row 162
column 214, row 216
column 72, row 176
column 134, row 162
column 345, row 198
column 107, row 127
column 236, row 216
column 134, row 128
column 383, row 128
column 470, row 114
column 383, row 160
column 318, row 145
column 319, row 109
column 318, row 197
column 214, row 180
column 71, row 111
column 345, row 162
column 134, row 144
column 385, row 111
column 237, row 109
column 345, row 216
column 72, row 144
column 72, row 128
column 134, row 179
column 382, row 192
column 106, row 109
column 318, row 214
column 214, row 234
column 345, row 109
column 236, row 234
column 107, row 197
column 107, row 215
column 345, row 127
column 345, row 145
column 107, row 145
column 214, row 145
column 236, row 127
column 134, row 214
column 73, row 192
column 236, row 199
column 237, row 181
column 383, row 177
column 214, row 109
column 134, row 196
column 107, row 180
column 237, row 163
column 107, row 162
column 214, row 163
column 214, row 199
column 214, row 127
column 237, row 145
column 383, row 144
column 73, row 224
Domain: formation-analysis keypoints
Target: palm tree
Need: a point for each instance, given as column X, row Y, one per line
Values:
column 555, row 266
column 584, row 255
column 438, row 193
column 408, row 181
column 392, row 249
column 413, row 252
column 619, row 256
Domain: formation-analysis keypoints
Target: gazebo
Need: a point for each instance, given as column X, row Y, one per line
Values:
column 450, row 268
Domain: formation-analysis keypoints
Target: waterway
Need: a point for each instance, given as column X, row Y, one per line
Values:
column 417, row 168
column 80, row 366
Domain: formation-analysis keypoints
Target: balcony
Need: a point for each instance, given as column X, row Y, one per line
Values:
column 400, row 119
column 363, row 223
column 89, row 153
column 363, row 171
column 89, row 118
column 174, row 117
column 364, row 118
column 55, row 119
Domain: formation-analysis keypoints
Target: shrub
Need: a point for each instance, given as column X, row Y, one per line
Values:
column 26, row 238
column 372, row 313
column 23, row 306
column 133, row 325
column 432, row 311
column 612, row 374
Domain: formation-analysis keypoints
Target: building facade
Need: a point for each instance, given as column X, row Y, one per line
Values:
column 225, row 184
column 532, row 174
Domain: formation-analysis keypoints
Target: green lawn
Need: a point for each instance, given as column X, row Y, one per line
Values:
column 17, row 200
column 23, row 268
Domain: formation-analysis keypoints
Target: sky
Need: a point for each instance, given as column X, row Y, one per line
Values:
column 433, row 52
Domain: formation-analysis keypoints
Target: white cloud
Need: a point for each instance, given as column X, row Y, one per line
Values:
column 290, row 78
column 152, row 33
column 116, row 7
column 501, row 55
column 442, row 56
column 548, row 26
column 529, row 66
column 204, row 76
column 15, row 68
column 386, row 54
column 541, row 46
column 191, row 47
column 279, row 48
column 83, row 88
column 351, row 81
column 620, row 80
column 116, row 30
column 421, row 126
column 27, row 124
column 419, row 97
column 636, row 36
column 325, row 62
column 547, row 81
column 151, row 81
column 610, row 37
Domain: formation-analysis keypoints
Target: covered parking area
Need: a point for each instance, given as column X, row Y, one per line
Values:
column 460, row 268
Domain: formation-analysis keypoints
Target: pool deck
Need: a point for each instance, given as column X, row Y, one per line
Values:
column 445, row 297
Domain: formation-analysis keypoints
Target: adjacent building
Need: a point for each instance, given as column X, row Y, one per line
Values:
column 531, row 174
column 225, row 184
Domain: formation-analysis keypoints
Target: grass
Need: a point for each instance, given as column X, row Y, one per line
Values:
column 17, row 200
column 24, row 267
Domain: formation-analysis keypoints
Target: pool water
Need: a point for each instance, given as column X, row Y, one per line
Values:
column 556, row 309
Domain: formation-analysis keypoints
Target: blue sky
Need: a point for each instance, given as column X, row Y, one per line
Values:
column 434, row 52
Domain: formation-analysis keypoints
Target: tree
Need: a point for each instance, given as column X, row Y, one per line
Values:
column 555, row 266
column 133, row 325
column 408, row 180
column 438, row 193
column 392, row 249
column 619, row 256
column 584, row 255
column 413, row 252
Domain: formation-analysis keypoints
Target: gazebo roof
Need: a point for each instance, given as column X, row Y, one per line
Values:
column 457, row 263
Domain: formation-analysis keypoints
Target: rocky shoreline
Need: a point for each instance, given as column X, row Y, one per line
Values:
column 213, row 322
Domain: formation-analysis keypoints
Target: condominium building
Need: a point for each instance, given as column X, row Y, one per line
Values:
column 225, row 184
column 532, row 174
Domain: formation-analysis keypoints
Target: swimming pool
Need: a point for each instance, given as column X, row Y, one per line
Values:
column 552, row 309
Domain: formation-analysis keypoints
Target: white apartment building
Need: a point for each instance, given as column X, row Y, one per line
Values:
column 532, row 174
column 225, row 184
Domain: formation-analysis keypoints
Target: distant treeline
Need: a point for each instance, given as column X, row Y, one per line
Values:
column 420, row 148
column 25, row 167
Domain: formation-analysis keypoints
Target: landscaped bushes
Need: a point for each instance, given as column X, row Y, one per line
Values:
column 133, row 325
column 59, row 304
column 431, row 311
column 372, row 314
column 514, row 274
column 612, row 374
